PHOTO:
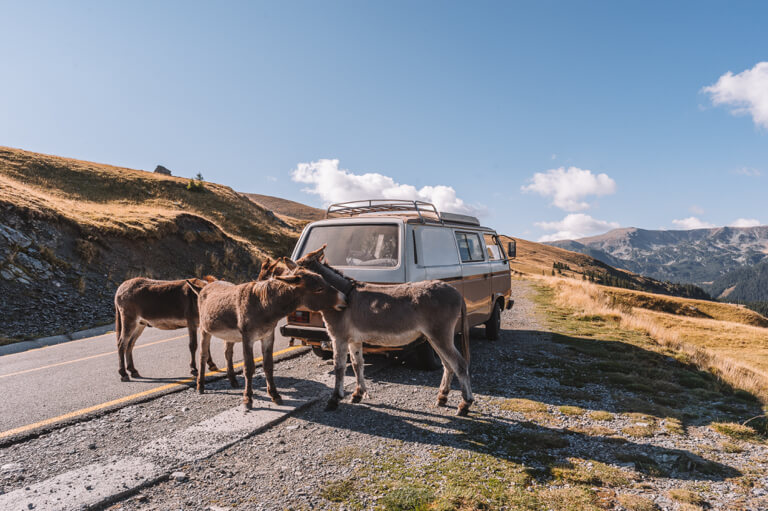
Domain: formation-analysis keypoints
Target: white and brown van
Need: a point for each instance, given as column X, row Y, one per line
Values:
column 395, row 241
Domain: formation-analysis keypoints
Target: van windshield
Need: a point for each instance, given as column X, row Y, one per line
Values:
column 356, row 245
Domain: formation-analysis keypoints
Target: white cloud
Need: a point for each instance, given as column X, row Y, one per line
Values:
column 744, row 93
column 696, row 210
column 692, row 223
column 745, row 222
column 747, row 171
column 569, row 188
column 574, row 226
column 334, row 184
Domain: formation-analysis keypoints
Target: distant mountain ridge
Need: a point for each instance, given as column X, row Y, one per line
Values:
column 698, row 256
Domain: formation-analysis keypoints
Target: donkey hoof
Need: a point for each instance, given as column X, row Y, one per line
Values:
column 135, row 374
column 193, row 371
column 213, row 367
column 124, row 377
column 277, row 400
column 200, row 390
column 356, row 398
column 441, row 400
column 248, row 404
column 462, row 411
column 332, row 405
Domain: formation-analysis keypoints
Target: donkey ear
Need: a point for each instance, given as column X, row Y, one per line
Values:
column 194, row 285
column 289, row 263
column 316, row 254
column 209, row 278
column 289, row 279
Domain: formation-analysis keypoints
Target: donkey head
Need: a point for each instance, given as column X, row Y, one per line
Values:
column 275, row 267
column 313, row 291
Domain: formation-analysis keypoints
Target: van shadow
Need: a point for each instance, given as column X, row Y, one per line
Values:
column 610, row 375
column 541, row 450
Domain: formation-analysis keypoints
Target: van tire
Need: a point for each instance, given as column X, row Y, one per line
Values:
column 493, row 325
column 320, row 352
column 427, row 357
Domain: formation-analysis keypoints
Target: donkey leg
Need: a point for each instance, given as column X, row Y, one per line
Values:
column 205, row 347
column 192, row 329
column 248, row 372
column 129, row 351
column 356, row 352
column 267, row 344
column 126, row 325
column 445, row 385
column 339, row 367
column 230, row 367
column 443, row 344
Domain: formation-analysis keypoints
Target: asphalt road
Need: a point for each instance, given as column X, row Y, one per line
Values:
column 42, row 387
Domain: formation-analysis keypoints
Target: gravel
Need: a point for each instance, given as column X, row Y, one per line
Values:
column 289, row 465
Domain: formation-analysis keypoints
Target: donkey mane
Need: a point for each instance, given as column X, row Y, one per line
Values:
column 337, row 279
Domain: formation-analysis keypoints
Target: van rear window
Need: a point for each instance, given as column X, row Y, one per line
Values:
column 374, row 246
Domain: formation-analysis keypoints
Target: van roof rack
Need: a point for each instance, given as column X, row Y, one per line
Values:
column 426, row 211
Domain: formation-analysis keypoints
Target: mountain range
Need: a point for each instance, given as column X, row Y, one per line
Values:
column 726, row 261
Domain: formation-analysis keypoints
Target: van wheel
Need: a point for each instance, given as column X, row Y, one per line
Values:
column 320, row 352
column 427, row 357
column 493, row 325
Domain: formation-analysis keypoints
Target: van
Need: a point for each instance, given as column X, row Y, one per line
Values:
column 396, row 241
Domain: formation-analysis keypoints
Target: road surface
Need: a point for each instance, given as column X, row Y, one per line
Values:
column 67, row 381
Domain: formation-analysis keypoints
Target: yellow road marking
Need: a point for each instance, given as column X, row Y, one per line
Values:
column 102, row 406
column 87, row 358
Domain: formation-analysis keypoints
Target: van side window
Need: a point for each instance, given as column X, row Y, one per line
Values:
column 436, row 246
column 494, row 250
column 470, row 247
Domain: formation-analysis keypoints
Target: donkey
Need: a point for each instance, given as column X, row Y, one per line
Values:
column 394, row 315
column 163, row 304
column 249, row 312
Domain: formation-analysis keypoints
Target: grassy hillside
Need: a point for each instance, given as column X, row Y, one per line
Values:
column 109, row 200
column 71, row 231
column 540, row 259
column 287, row 207
column 726, row 340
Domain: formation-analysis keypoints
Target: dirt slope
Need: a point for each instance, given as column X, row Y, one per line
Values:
column 287, row 207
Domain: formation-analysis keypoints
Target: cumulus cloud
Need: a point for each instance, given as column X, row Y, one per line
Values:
column 745, row 93
column 574, row 226
column 568, row 188
column 334, row 184
column 748, row 171
column 692, row 222
column 745, row 222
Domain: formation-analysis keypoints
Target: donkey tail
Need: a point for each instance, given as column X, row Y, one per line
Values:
column 118, row 323
column 464, row 332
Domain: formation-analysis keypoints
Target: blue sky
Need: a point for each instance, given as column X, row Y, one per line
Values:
column 476, row 96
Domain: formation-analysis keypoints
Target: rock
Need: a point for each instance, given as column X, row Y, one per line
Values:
column 179, row 476
column 11, row 467
column 162, row 170
column 14, row 237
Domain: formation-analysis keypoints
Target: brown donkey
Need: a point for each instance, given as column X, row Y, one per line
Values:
column 163, row 304
column 394, row 315
column 249, row 312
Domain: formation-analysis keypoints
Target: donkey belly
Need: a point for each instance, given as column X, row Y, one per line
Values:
column 386, row 338
column 165, row 324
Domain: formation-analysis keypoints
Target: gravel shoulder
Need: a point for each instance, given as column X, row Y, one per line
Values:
column 552, row 427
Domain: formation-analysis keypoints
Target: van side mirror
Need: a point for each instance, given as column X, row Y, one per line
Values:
column 512, row 249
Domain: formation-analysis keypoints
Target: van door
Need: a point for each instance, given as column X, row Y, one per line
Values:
column 436, row 255
column 501, row 281
column 475, row 275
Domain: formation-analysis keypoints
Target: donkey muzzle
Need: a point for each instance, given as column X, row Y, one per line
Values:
column 341, row 301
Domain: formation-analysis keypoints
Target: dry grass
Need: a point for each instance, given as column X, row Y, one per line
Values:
column 734, row 430
column 571, row 410
column 686, row 496
column 636, row 503
column 601, row 415
column 725, row 346
column 522, row 405
column 106, row 200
